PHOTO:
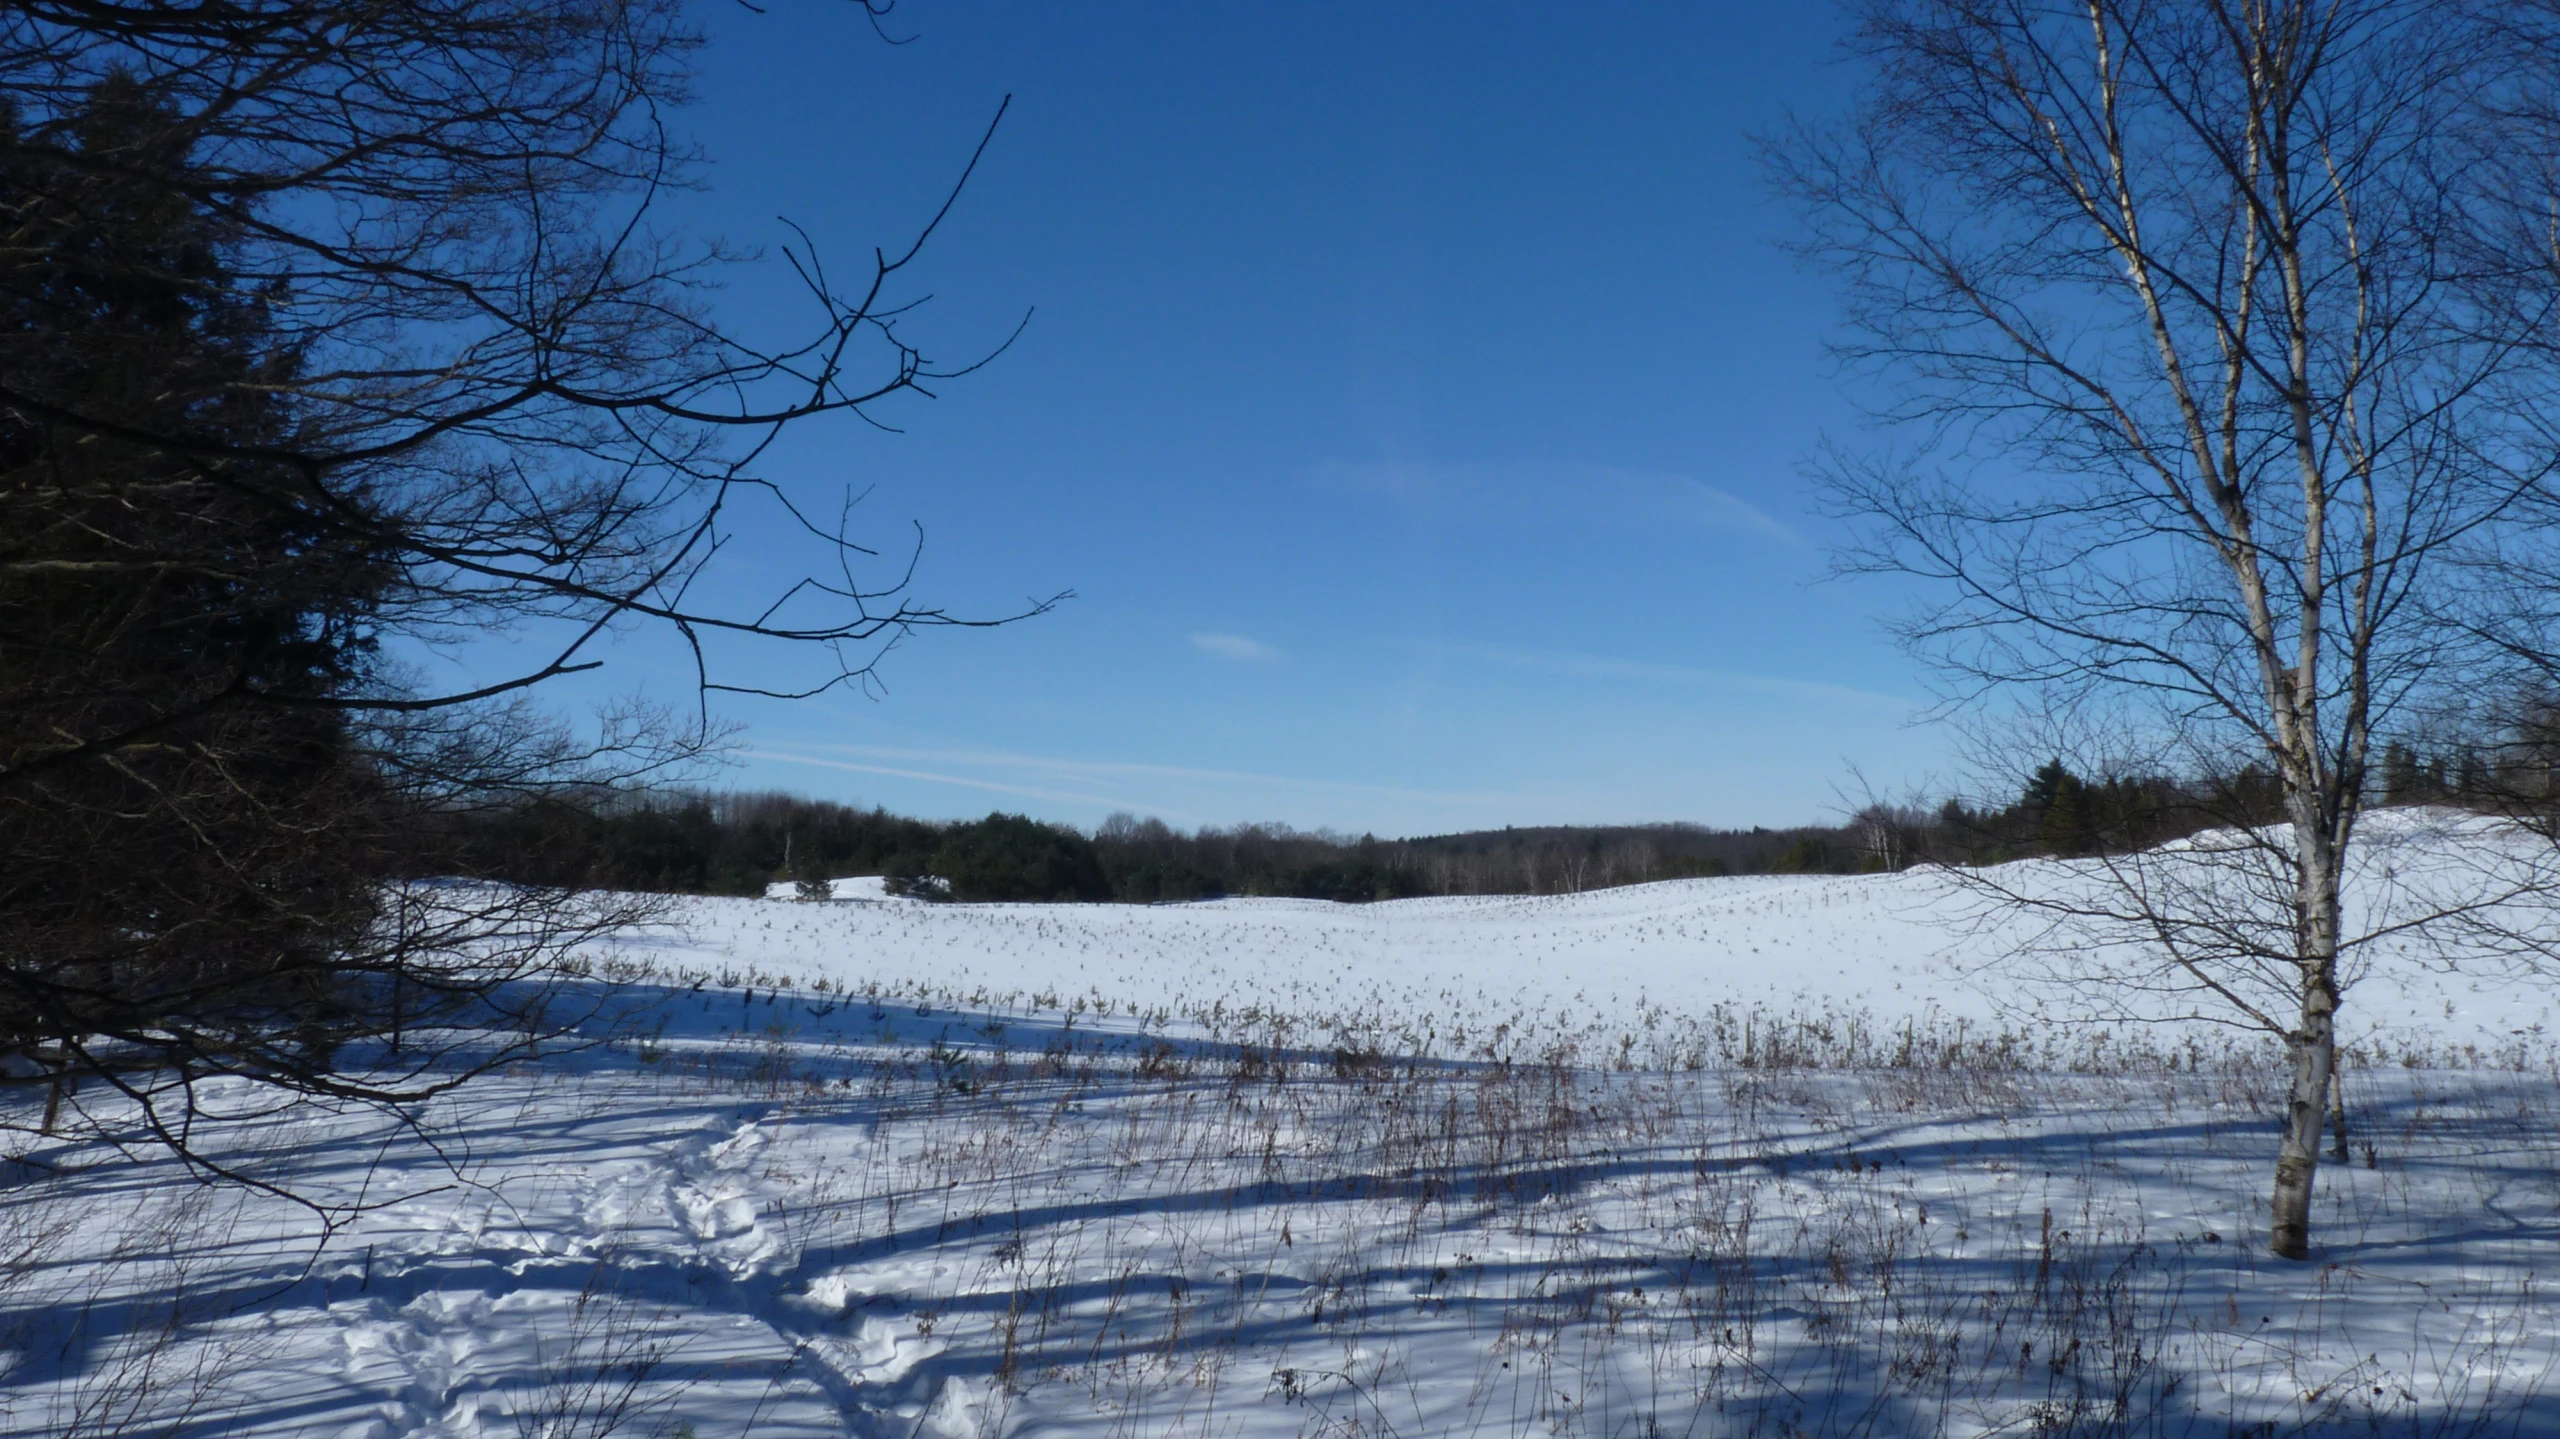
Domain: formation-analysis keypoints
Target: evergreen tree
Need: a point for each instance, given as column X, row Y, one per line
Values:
column 183, row 819
column 1015, row 857
column 2046, row 785
column 2400, row 775
column 2470, row 776
column 2062, row 808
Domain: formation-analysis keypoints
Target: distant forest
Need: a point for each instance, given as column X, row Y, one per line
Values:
column 738, row 843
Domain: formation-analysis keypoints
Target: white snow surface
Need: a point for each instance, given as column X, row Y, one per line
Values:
column 1775, row 1155
column 1884, row 949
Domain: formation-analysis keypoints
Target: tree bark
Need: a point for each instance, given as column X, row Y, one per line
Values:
column 53, row 1096
column 2313, row 1048
column 2314, row 1054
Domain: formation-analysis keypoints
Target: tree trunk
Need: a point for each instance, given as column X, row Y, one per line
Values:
column 2314, row 1055
column 53, row 1096
column 2313, row 1046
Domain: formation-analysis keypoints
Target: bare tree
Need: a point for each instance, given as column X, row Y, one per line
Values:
column 334, row 327
column 501, row 374
column 2215, row 408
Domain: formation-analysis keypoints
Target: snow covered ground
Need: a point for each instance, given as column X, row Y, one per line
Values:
column 1438, row 975
column 1717, row 1157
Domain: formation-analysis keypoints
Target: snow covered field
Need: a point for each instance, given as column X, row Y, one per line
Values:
column 1438, row 976
column 1717, row 1157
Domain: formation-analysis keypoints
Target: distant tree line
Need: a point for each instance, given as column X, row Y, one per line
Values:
column 684, row 843
column 739, row 843
column 2508, row 765
column 2060, row 813
column 697, row 842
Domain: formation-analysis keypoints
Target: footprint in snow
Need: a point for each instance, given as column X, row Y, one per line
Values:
column 715, row 1195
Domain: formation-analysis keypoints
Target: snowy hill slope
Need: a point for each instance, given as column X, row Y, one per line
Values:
column 1888, row 947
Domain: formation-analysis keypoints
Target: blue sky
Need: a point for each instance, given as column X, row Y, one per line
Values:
column 1413, row 397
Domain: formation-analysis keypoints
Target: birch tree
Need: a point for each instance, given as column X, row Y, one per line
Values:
column 2205, row 381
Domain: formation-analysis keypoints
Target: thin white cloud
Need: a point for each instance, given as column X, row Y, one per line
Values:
column 1234, row 647
column 1116, row 775
column 1735, row 512
column 1610, row 667
column 1023, row 791
column 1547, row 493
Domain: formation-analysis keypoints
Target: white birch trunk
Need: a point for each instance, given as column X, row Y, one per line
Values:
column 2313, row 1045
